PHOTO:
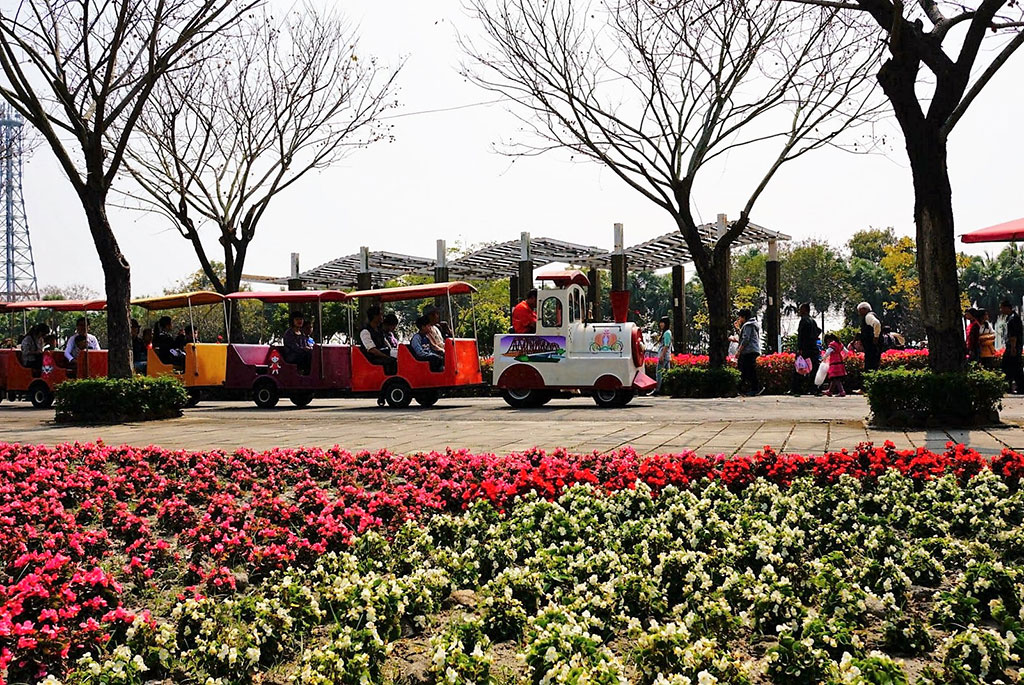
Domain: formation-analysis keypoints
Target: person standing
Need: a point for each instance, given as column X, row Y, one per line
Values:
column 664, row 350
column 973, row 335
column 748, row 351
column 870, row 337
column 524, row 314
column 1012, row 362
column 807, row 333
column 986, row 340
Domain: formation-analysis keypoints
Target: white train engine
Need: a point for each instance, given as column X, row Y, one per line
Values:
column 569, row 353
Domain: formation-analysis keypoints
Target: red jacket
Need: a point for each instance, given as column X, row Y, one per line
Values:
column 524, row 319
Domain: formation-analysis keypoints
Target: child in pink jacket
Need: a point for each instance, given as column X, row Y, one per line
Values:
column 836, row 366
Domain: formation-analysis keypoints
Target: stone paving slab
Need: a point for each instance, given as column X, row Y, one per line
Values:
column 650, row 425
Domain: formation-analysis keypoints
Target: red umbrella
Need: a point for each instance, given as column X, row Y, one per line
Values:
column 1001, row 233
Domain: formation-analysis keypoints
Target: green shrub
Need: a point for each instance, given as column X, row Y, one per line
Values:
column 699, row 381
column 114, row 400
column 902, row 397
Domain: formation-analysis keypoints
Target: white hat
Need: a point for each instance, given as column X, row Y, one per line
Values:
column 864, row 305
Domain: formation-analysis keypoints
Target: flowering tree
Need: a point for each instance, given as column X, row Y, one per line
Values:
column 659, row 93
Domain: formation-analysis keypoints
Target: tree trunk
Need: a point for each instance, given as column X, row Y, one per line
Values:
column 936, row 249
column 232, row 284
column 933, row 214
column 715, row 279
column 117, row 283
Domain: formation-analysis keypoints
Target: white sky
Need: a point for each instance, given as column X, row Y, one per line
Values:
column 442, row 179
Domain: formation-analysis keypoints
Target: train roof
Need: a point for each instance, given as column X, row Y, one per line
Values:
column 414, row 292
column 57, row 305
column 287, row 296
column 179, row 300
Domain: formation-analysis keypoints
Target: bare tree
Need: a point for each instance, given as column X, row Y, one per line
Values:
column 225, row 137
column 81, row 71
column 660, row 91
column 941, row 56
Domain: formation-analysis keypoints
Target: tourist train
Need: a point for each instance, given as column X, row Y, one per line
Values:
column 567, row 355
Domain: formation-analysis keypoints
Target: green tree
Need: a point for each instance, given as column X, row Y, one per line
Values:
column 870, row 244
column 813, row 271
column 747, row 279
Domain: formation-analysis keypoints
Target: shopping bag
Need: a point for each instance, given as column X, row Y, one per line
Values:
column 803, row 365
column 822, row 374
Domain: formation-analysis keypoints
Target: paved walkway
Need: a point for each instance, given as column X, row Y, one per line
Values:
column 654, row 424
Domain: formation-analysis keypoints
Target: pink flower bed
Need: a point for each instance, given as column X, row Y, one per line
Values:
column 88, row 531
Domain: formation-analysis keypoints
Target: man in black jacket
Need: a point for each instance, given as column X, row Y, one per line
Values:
column 1012, row 365
column 807, row 347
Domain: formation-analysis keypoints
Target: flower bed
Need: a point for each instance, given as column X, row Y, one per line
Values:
column 775, row 371
column 129, row 564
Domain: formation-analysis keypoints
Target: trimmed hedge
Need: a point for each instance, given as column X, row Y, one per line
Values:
column 116, row 400
column 700, row 381
column 903, row 397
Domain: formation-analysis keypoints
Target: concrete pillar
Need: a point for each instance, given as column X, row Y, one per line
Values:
column 513, row 293
column 619, row 262
column 441, row 276
column 679, row 332
column 594, row 294
column 773, row 311
column 525, row 266
column 364, row 281
column 294, row 282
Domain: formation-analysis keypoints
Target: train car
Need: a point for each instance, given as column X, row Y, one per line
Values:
column 205, row 364
column 414, row 379
column 569, row 354
column 345, row 370
column 18, row 381
column 262, row 369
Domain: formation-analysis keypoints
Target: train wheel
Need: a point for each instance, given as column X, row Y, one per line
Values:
column 426, row 398
column 193, row 398
column 398, row 394
column 302, row 399
column 40, row 396
column 525, row 399
column 611, row 399
column 265, row 394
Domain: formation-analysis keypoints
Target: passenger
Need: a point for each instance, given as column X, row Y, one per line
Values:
column 420, row 346
column 434, row 335
column 374, row 343
column 147, row 342
column 138, row 349
column 81, row 328
column 297, row 349
column 524, row 314
column 50, row 343
column 389, row 323
column 169, row 350
column 32, row 347
column 307, row 330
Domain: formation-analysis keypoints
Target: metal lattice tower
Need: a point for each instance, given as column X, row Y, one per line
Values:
column 19, row 268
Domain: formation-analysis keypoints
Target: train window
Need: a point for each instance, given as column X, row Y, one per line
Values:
column 574, row 307
column 551, row 313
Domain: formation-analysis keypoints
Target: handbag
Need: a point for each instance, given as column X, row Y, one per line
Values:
column 803, row 365
column 823, row 369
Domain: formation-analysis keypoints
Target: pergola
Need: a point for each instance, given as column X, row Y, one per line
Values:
column 517, row 259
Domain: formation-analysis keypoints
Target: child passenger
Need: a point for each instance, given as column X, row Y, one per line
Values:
column 836, row 366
